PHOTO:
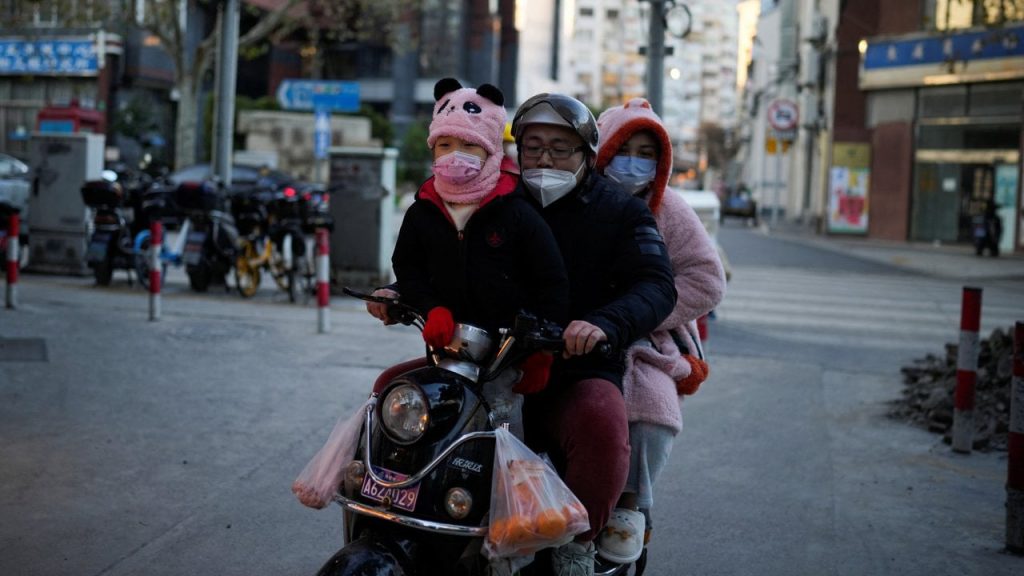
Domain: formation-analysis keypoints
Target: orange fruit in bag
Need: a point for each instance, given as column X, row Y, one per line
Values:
column 575, row 512
column 519, row 529
column 497, row 532
column 551, row 523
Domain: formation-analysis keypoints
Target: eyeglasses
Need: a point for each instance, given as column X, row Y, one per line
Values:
column 558, row 153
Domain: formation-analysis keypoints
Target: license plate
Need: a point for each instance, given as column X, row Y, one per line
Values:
column 97, row 250
column 404, row 498
column 194, row 248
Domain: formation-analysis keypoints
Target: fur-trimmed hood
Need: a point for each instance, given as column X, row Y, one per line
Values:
column 618, row 124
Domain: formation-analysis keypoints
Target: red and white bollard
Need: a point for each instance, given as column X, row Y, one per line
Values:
column 966, row 370
column 156, row 242
column 13, row 231
column 1015, row 449
column 323, row 278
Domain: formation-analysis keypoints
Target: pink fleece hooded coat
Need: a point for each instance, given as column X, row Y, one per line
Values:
column 652, row 370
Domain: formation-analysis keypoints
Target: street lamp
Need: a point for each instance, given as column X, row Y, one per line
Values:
column 665, row 14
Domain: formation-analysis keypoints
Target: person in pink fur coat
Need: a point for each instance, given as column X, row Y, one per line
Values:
column 636, row 152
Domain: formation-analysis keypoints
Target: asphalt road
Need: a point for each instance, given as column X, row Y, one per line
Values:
column 168, row 448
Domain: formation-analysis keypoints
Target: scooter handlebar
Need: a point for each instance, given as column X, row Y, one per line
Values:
column 397, row 311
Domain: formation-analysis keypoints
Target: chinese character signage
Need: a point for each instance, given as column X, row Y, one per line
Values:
column 848, row 188
column 52, row 57
column 917, row 60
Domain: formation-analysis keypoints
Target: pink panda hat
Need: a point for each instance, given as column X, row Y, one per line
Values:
column 472, row 115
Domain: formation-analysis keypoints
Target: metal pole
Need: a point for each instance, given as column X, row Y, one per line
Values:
column 777, row 184
column 764, row 172
column 966, row 370
column 227, row 73
column 323, row 278
column 13, row 260
column 156, row 244
column 656, row 55
column 1015, row 449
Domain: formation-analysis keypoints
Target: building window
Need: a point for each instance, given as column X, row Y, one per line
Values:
column 586, row 11
column 995, row 99
column 942, row 102
column 612, row 14
column 956, row 14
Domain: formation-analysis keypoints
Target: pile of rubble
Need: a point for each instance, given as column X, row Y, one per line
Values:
column 927, row 399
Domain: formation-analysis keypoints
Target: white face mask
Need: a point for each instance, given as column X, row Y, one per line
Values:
column 548, row 185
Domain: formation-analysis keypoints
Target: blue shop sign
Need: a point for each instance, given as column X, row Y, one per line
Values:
column 969, row 56
column 73, row 57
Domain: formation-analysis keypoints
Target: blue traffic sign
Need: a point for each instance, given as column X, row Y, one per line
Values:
column 309, row 94
column 321, row 133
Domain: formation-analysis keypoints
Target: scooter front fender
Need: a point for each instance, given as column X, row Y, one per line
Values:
column 367, row 557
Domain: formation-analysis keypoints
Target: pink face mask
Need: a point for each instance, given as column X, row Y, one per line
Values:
column 457, row 167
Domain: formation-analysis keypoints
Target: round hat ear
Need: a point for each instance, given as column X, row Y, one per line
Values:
column 492, row 93
column 444, row 86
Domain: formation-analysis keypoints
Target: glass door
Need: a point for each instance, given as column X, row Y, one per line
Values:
column 936, row 202
column 1007, row 205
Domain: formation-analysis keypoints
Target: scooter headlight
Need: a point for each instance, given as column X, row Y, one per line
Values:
column 405, row 413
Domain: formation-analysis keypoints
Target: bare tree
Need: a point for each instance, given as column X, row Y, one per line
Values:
column 167, row 20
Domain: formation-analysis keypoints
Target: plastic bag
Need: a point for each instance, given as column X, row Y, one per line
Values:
column 531, row 508
column 319, row 480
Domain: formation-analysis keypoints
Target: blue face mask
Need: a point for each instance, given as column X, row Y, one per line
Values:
column 632, row 172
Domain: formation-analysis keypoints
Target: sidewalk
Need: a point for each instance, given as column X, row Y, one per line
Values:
column 952, row 261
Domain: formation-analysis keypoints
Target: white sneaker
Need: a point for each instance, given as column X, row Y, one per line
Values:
column 573, row 559
column 622, row 539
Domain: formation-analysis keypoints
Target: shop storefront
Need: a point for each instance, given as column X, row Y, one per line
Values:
column 52, row 67
column 963, row 97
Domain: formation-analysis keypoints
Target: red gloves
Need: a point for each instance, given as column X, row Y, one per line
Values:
column 698, row 373
column 440, row 327
column 536, row 369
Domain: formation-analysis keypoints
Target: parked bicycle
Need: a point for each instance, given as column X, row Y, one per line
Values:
column 267, row 242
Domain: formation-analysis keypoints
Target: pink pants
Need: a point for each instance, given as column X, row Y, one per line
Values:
column 583, row 427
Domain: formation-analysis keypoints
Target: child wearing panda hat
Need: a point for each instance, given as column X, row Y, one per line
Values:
column 471, row 248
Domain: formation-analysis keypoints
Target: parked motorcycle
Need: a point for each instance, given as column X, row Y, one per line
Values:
column 211, row 243
column 114, row 202
column 417, row 495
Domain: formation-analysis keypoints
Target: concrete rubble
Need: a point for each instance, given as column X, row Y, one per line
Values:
column 927, row 398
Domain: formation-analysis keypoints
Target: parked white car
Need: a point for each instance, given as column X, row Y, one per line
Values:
column 15, row 187
column 708, row 208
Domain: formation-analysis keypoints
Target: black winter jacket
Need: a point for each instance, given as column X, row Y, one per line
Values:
column 620, row 277
column 505, row 260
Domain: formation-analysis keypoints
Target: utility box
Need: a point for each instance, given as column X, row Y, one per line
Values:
column 58, row 218
column 362, row 185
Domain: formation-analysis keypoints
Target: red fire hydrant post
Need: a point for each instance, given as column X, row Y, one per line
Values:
column 13, row 231
column 1015, row 449
column 156, row 242
column 323, row 278
column 966, row 370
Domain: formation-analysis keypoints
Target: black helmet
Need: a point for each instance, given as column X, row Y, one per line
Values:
column 573, row 112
